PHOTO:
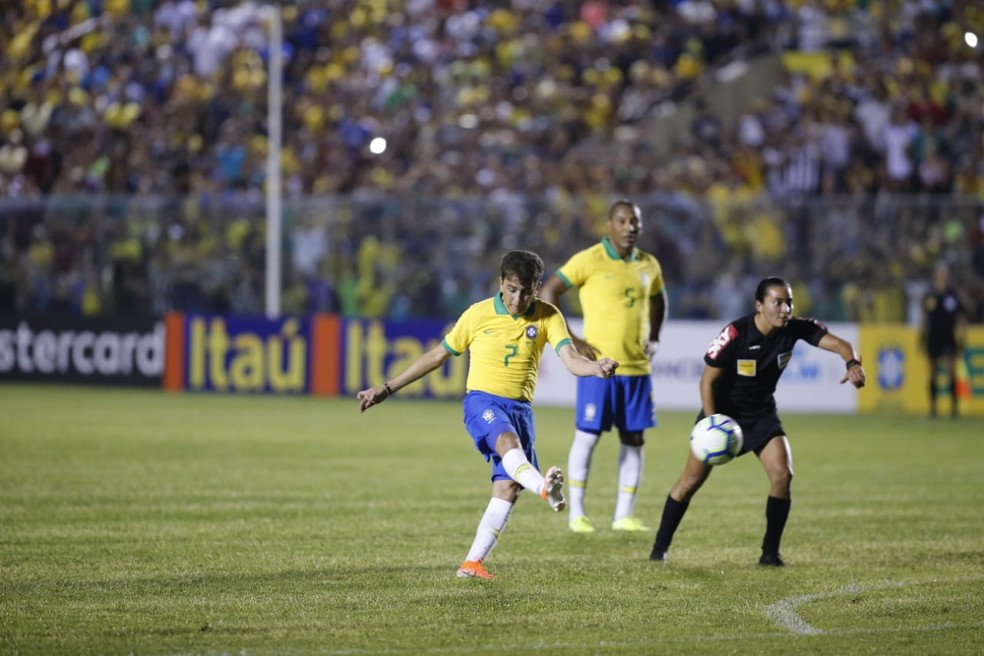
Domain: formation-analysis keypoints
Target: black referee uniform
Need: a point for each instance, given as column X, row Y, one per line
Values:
column 752, row 364
column 742, row 367
column 942, row 309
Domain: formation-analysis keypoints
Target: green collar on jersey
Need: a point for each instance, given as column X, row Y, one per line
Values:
column 612, row 253
column 500, row 307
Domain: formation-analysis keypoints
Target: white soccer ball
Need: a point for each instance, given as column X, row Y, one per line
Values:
column 716, row 439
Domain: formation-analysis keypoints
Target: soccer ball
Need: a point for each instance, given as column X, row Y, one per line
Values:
column 716, row 439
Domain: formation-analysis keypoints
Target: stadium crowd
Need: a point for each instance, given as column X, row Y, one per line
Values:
column 133, row 146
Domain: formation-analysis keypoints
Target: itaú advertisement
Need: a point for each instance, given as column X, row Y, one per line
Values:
column 374, row 351
column 810, row 382
column 217, row 353
column 322, row 354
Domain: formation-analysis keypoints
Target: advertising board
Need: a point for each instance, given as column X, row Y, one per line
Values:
column 809, row 383
column 75, row 349
column 898, row 373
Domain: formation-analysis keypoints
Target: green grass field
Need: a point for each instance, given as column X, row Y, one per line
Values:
column 152, row 523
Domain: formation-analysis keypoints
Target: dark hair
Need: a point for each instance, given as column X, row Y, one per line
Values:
column 525, row 265
column 766, row 284
column 623, row 202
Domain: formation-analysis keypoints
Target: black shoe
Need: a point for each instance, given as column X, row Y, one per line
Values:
column 659, row 556
column 771, row 560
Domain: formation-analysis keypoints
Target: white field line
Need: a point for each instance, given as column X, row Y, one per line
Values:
column 599, row 647
column 783, row 613
column 559, row 647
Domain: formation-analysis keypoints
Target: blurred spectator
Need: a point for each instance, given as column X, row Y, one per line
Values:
column 899, row 135
column 494, row 116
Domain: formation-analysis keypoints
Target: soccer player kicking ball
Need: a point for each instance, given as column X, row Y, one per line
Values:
column 505, row 335
column 741, row 369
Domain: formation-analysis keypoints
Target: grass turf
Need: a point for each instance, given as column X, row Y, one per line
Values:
column 151, row 523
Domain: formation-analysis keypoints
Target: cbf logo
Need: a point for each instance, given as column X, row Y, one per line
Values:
column 488, row 415
column 891, row 368
column 531, row 332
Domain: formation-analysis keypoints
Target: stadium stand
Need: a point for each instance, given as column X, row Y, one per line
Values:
column 133, row 149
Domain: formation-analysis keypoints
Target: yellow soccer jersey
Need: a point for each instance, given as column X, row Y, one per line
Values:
column 505, row 350
column 615, row 298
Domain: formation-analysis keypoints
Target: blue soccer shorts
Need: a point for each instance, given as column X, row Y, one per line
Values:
column 623, row 401
column 488, row 416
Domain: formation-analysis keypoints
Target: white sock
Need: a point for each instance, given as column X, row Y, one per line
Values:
column 629, row 476
column 521, row 471
column 578, row 466
column 493, row 523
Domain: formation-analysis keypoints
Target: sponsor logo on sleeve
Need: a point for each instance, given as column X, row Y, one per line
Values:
column 722, row 340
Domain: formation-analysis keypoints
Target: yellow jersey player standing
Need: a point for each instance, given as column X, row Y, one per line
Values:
column 624, row 305
column 505, row 336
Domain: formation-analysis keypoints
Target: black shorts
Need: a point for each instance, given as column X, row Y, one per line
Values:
column 757, row 430
column 942, row 347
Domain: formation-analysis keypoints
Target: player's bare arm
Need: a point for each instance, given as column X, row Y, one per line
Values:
column 419, row 368
column 585, row 348
column 852, row 361
column 551, row 291
column 579, row 365
column 707, row 380
column 658, row 310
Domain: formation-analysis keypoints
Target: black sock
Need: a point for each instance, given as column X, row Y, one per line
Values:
column 776, row 513
column 673, row 512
